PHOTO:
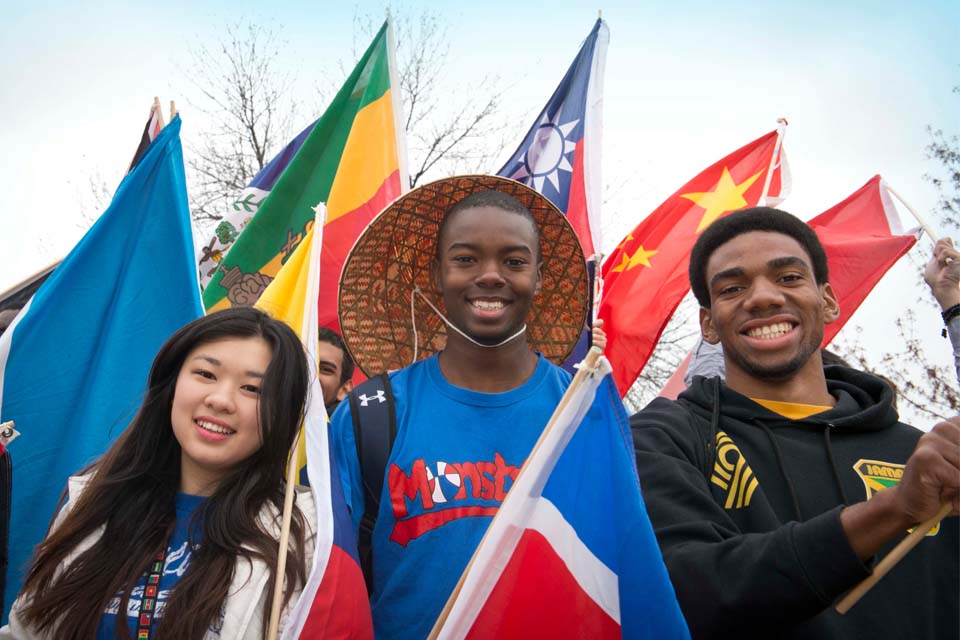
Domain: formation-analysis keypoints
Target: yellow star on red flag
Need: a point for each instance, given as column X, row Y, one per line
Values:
column 727, row 196
column 639, row 257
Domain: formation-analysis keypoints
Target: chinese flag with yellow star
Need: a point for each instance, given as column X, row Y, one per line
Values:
column 645, row 278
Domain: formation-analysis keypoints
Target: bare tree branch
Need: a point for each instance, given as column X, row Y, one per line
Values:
column 247, row 97
column 677, row 339
column 448, row 130
column 945, row 150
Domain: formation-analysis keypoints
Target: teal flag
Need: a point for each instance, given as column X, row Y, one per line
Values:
column 74, row 364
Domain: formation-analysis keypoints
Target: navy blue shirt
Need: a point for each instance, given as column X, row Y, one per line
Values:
column 179, row 550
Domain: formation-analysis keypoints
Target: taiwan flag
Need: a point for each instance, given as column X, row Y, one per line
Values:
column 571, row 553
column 560, row 155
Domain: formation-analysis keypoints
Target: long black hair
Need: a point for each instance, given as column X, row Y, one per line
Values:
column 132, row 491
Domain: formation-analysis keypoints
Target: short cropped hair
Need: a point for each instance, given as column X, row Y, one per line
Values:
column 496, row 199
column 328, row 335
column 746, row 221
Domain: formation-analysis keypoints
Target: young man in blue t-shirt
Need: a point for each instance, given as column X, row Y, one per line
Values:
column 468, row 415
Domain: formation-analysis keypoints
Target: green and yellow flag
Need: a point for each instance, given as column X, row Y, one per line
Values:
column 352, row 160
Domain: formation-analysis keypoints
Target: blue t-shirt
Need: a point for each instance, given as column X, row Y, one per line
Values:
column 179, row 551
column 456, row 454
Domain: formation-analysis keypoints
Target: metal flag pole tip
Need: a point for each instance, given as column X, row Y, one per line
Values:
column 7, row 433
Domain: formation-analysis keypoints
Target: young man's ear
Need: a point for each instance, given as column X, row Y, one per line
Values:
column 831, row 306
column 707, row 329
column 536, row 288
column 344, row 389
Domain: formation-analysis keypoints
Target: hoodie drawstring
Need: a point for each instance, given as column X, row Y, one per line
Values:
column 833, row 462
column 783, row 469
column 711, row 447
column 711, row 444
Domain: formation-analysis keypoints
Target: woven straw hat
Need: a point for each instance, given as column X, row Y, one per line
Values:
column 395, row 254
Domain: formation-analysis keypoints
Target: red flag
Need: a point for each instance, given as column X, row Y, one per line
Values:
column 645, row 278
column 863, row 239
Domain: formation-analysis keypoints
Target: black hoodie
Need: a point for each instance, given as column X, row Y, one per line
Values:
column 746, row 507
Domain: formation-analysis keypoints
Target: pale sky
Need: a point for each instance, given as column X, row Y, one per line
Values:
column 686, row 83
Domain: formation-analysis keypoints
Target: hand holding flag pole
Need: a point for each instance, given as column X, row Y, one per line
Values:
column 891, row 559
column 913, row 539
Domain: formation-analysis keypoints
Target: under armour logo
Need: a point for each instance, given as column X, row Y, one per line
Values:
column 365, row 400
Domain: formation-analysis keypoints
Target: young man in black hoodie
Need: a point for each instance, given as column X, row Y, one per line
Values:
column 773, row 493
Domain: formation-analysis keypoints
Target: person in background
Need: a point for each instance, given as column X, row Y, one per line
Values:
column 942, row 275
column 335, row 368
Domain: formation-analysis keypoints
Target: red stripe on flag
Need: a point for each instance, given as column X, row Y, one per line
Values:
column 537, row 595
column 577, row 213
column 339, row 237
column 340, row 607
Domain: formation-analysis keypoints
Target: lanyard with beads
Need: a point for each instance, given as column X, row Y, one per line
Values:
column 148, row 603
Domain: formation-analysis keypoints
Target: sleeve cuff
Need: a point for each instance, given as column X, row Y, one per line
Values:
column 828, row 561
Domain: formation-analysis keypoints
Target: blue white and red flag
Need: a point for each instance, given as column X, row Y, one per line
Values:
column 560, row 155
column 571, row 552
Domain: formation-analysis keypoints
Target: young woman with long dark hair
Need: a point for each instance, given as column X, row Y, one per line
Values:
column 175, row 529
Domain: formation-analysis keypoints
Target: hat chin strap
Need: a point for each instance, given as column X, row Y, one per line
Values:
column 413, row 321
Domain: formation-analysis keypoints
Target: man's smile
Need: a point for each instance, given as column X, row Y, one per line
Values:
column 770, row 331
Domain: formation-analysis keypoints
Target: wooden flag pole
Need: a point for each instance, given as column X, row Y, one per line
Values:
column 284, row 539
column 587, row 368
column 597, row 286
column 158, row 110
column 891, row 559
